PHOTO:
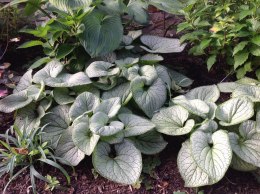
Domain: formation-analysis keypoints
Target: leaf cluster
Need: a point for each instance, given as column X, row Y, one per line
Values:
column 221, row 135
column 96, row 112
column 224, row 31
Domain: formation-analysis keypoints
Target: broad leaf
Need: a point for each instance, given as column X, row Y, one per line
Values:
column 241, row 165
column 235, row 111
column 99, row 125
column 212, row 154
column 62, row 97
column 82, row 137
column 124, row 167
column 163, row 74
column 151, row 59
column 122, row 91
column 208, row 126
column 137, row 9
column 101, row 69
column 70, row 5
column 227, row 87
column 53, row 75
column 197, row 107
column 84, row 103
column 158, row 44
column 25, row 82
column 192, row 174
column 67, row 150
column 149, row 98
column 15, row 101
column 247, row 144
column 135, row 125
column 110, row 107
column 173, row 121
column 180, row 79
column 149, row 143
column 57, row 121
column 103, row 33
column 27, row 117
column 204, row 93
column 252, row 92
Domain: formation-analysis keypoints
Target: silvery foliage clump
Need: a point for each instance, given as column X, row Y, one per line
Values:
column 220, row 135
column 103, row 111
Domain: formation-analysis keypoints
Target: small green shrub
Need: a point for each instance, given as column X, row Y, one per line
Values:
column 227, row 31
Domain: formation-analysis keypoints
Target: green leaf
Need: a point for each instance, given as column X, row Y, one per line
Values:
column 240, row 47
column 27, row 117
column 101, row 69
column 57, row 121
column 158, row 44
column 135, row 125
column 70, row 5
column 149, row 143
column 235, row 111
column 110, row 107
column 180, row 79
column 211, row 61
column 256, row 40
column 191, row 173
column 137, row 10
column 227, row 87
column 24, row 83
column 83, row 138
column 255, row 50
column 163, row 74
column 40, row 62
column 62, row 97
column 103, row 33
column 122, row 91
column 67, row 150
column 208, row 126
column 150, row 59
column 246, row 145
column 173, row 121
column 15, row 101
column 53, row 75
column 149, row 98
column 252, row 92
column 64, row 50
column 212, row 154
column 31, row 43
column 85, row 102
column 238, row 164
column 240, row 58
column 126, row 62
column 99, row 124
column 204, row 93
column 196, row 106
column 125, row 167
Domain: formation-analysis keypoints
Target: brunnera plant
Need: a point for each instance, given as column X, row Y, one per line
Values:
column 220, row 135
column 224, row 31
column 99, row 112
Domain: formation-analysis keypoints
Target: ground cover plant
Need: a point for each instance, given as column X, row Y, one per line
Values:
column 101, row 92
column 221, row 134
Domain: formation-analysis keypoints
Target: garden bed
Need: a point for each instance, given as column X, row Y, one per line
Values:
column 166, row 176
